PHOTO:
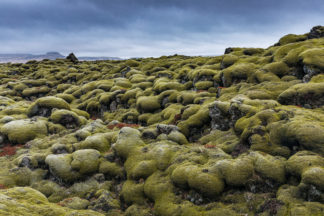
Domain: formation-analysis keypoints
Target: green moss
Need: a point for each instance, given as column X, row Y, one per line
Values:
column 137, row 210
column 111, row 169
column 302, row 161
column 130, row 94
column 291, row 38
column 60, row 167
column 47, row 187
column 85, row 161
column 169, row 114
column 121, row 83
column 82, row 189
column 298, row 132
column 270, row 167
column 65, row 117
column 75, row 203
column 253, row 51
column 132, row 63
column 280, row 53
column 228, row 60
column 207, row 184
column 133, row 193
column 35, row 91
column 177, row 137
column 21, row 131
column 81, row 113
column 177, row 161
column 302, row 94
column 314, row 176
column 180, row 175
column 238, row 72
column 318, row 78
column 313, row 57
column 159, row 188
column 278, row 68
column 288, row 78
column 49, row 102
column 204, row 85
column 88, row 87
column 225, row 140
column 292, row 57
column 19, row 200
column 97, row 141
column 163, row 84
column 142, row 169
column 67, row 97
column 137, row 78
column 128, row 139
column 237, row 171
column 148, row 104
column 201, row 74
column 93, row 107
column 20, row 87
column 189, row 111
column 195, row 121
column 169, row 95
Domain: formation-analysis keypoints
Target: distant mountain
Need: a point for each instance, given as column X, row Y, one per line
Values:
column 85, row 58
column 23, row 58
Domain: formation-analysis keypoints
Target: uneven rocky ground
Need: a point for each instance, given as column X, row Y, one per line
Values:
column 238, row 134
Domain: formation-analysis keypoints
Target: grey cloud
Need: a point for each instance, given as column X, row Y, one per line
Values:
column 150, row 27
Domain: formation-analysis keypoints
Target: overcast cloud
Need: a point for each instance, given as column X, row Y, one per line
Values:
column 142, row 28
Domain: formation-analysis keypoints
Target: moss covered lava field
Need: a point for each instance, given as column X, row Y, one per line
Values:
column 237, row 134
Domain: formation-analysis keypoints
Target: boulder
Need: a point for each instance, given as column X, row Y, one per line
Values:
column 72, row 58
column 22, row 131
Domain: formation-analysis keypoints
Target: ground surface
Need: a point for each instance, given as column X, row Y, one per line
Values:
column 238, row 134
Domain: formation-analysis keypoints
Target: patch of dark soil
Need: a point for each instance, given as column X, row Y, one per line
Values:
column 192, row 196
column 271, row 205
column 239, row 149
column 257, row 184
column 69, row 121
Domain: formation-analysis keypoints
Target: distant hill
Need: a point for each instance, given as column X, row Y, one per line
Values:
column 84, row 58
column 22, row 58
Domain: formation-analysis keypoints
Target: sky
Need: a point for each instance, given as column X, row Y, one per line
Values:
column 151, row 28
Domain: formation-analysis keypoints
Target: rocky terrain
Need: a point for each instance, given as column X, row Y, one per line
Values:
column 237, row 134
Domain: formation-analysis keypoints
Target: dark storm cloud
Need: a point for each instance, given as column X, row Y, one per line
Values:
column 150, row 27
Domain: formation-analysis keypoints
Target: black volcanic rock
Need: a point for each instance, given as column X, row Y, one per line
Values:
column 316, row 32
column 228, row 50
column 72, row 58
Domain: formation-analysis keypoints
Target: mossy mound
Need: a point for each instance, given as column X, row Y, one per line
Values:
column 22, row 131
column 44, row 105
column 67, row 118
column 309, row 95
column 24, row 200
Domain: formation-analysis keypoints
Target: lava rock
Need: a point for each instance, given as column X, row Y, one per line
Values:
column 72, row 58
column 316, row 32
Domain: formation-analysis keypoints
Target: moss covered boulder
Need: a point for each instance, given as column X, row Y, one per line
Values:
column 60, row 167
column 43, row 106
column 22, row 200
column 22, row 131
